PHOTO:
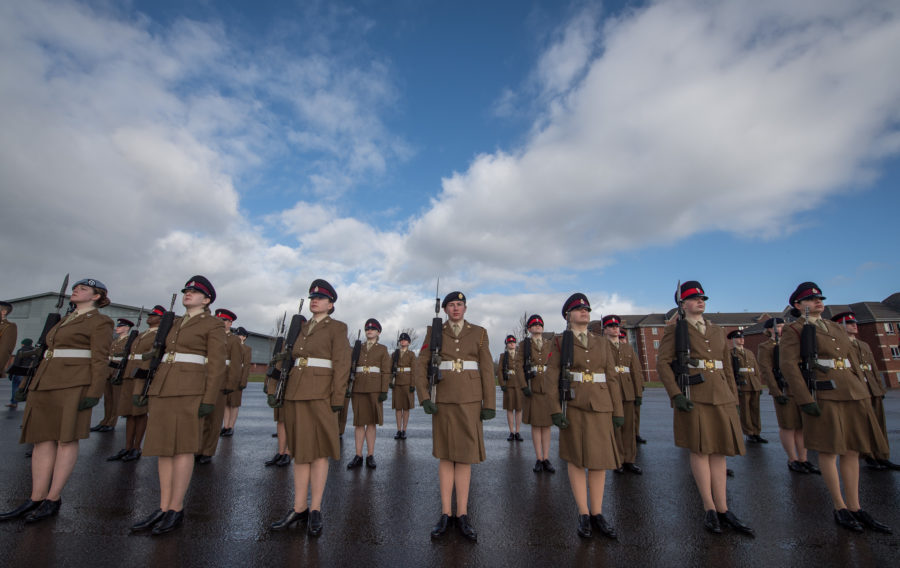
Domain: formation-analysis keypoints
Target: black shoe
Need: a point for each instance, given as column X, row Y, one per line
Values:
column 315, row 523
column 292, row 518
column 226, row 433
column 761, row 440
column 888, row 464
column 107, row 429
column 729, row 520
column 729, row 472
column 872, row 463
column 23, row 509
column 46, row 509
column 370, row 462
column 633, row 468
column 811, row 468
column 438, row 530
column 751, row 439
column 133, row 454
column 97, row 428
column 584, row 526
column 397, row 435
column 518, row 437
column 640, row 440
column 275, row 435
column 538, row 466
column 273, row 460
column 170, row 521
column 148, row 522
column 355, row 462
column 846, row 519
column 203, row 460
column 511, row 437
column 605, row 528
column 402, row 434
column 28, row 453
column 285, row 460
column 465, row 528
column 711, row 522
column 119, row 455
column 548, row 467
column 866, row 520
column 222, row 431
column 797, row 467
column 619, row 469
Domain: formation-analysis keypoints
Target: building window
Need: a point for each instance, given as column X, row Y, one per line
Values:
column 653, row 330
column 895, row 352
column 888, row 327
column 656, row 346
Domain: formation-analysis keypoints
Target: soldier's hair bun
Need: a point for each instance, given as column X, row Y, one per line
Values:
column 103, row 301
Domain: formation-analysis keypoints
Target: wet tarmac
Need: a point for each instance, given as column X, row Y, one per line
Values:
column 382, row 517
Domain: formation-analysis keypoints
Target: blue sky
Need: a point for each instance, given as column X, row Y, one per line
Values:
column 519, row 150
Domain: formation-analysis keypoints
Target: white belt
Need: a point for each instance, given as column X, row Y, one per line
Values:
column 707, row 364
column 312, row 362
column 746, row 370
column 71, row 353
column 368, row 369
column 589, row 377
column 112, row 359
column 865, row 367
column 538, row 368
column 511, row 372
column 834, row 363
column 184, row 358
column 622, row 369
column 459, row 365
column 404, row 369
column 134, row 356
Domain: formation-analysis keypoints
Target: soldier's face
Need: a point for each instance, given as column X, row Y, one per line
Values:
column 738, row 341
column 536, row 330
column 580, row 316
column 511, row 346
column 372, row 334
column 319, row 305
column 695, row 306
column 228, row 324
column 122, row 329
column 193, row 299
column 455, row 310
column 404, row 344
column 852, row 328
column 83, row 293
column 611, row 330
column 816, row 306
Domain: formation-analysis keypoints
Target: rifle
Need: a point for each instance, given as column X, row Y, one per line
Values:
column 566, row 357
column 809, row 359
column 736, row 367
column 155, row 355
column 776, row 360
column 33, row 357
column 354, row 359
column 287, row 357
column 272, row 370
column 682, row 362
column 526, row 361
column 434, row 344
column 120, row 365
column 395, row 364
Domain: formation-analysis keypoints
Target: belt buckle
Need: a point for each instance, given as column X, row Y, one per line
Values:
column 48, row 355
column 587, row 377
column 620, row 369
column 838, row 363
column 540, row 368
column 710, row 365
column 302, row 362
column 170, row 357
column 458, row 365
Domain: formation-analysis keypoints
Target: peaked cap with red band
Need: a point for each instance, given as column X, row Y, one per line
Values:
column 322, row 289
column 225, row 314
column 535, row 319
column 372, row 323
column 805, row 291
column 845, row 317
column 202, row 285
column 510, row 339
column 124, row 322
column 575, row 301
column 690, row 289
column 157, row 311
column 611, row 320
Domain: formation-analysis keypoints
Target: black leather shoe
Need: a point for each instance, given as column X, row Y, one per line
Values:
column 465, row 528
column 729, row 520
column 845, row 518
column 203, row 460
column 584, row 526
column 133, row 454
column 438, row 530
column 222, row 431
column 797, row 467
column 633, row 468
column 872, row 463
column 46, row 509
column 751, row 439
column 226, row 433
column 107, row 429
column 729, row 472
column 292, row 518
column 511, row 437
column 640, row 440
column 402, row 434
column 518, row 437
column 761, row 440
column 170, row 521
column 811, row 468
column 711, row 522
column 22, row 510
column 619, row 469
column 397, row 435
column 148, row 522
column 273, row 460
column 119, row 455
column 275, row 435
column 604, row 527
column 285, row 460
column 355, row 462
column 315, row 523
column 96, row 428
column 548, row 467
column 370, row 462
column 888, row 464
column 866, row 520
column 538, row 466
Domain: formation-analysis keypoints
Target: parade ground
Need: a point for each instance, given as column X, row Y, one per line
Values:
column 382, row 517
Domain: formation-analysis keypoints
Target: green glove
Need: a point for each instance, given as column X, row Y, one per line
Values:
column 382, row 397
column 270, row 400
column 638, row 401
column 560, row 421
column 337, row 408
column 138, row 401
column 503, row 388
column 682, row 403
column 412, row 389
column 812, row 409
column 618, row 421
column 88, row 402
column 526, row 391
column 20, row 395
column 205, row 410
column 429, row 407
column 488, row 414
column 781, row 399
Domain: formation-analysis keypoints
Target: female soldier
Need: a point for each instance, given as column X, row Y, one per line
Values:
column 67, row 384
column 314, row 392
column 182, row 393
column 511, row 385
column 587, row 431
column 373, row 374
column 539, row 396
column 838, row 419
column 282, row 457
column 234, row 399
column 707, row 423
column 403, row 399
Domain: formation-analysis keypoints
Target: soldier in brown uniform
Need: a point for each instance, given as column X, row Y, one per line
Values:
column 707, row 423
column 212, row 423
column 315, row 391
column 373, row 375
column 880, row 460
column 136, row 416
column 539, row 396
column 66, row 385
column 234, row 399
column 463, row 398
column 790, row 424
column 630, row 378
column 511, row 384
column 639, row 385
column 403, row 392
column 112, row 393
column 838, row 419
column 282, row 457
column 587, row 439
column 746, row 374
column 8, row 336
column 183, row 392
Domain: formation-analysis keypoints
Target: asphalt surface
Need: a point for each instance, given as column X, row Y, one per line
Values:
column 382, row 517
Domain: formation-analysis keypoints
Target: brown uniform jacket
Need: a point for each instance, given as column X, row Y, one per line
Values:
column 407, row 361
column 375, row 356
column 90, row 330
column 832, row 344
column 327, row 340
column 233, row 367
column 202, row 334
column 631, row 381
column 116, row 349
column 747, row 360
column 142, row 344
column 542, row 383
column 514, row 379
column 766, row 362
column 246, row 355
column 597, row 357
column 459, row 387
column 718, row 386
column 8, row 337
column 867, row 366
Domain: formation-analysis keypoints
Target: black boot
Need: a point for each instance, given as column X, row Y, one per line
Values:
column 584, row 526
column 866, row 520
column 538, row 466
column 315, row 523
column 45, row 510
column 465, row 528
column 397, row 435
column 438, row 530
column 292, row 518
column 22, row 510
column 149, row 521
column 845, row 518
column 170, row 521
column 370, row 462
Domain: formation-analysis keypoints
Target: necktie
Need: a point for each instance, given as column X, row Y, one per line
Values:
column 312, row 324
column 456, row 327
column 582, row 337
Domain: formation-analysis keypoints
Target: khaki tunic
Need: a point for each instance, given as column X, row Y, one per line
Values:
column 788, row 415
column 8, row 337
column 367, row 409
column 847, row 422
column 403, row 396
column 113, row 393
column 867, row 368
column 539, row 406
column 60, row 383
column 749, row 391
column 513, row 399
column 142, row 344
column 713, row 426
column 456, row 428
column 234, row 399
column 630, row 378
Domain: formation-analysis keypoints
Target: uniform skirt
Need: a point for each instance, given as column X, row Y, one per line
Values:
column 312, row 430
column 367, row 409
column 844, row 426
column 124, row 406
column 278, row 414
column 709, row 429
column 537, row 410
column 233, row 399
column 878, row 408
column 402, row 399
column 512, row 398
column 53, row 416
column 788, row 415
column 173, row 427
column 457, row 434
column 589, row 442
